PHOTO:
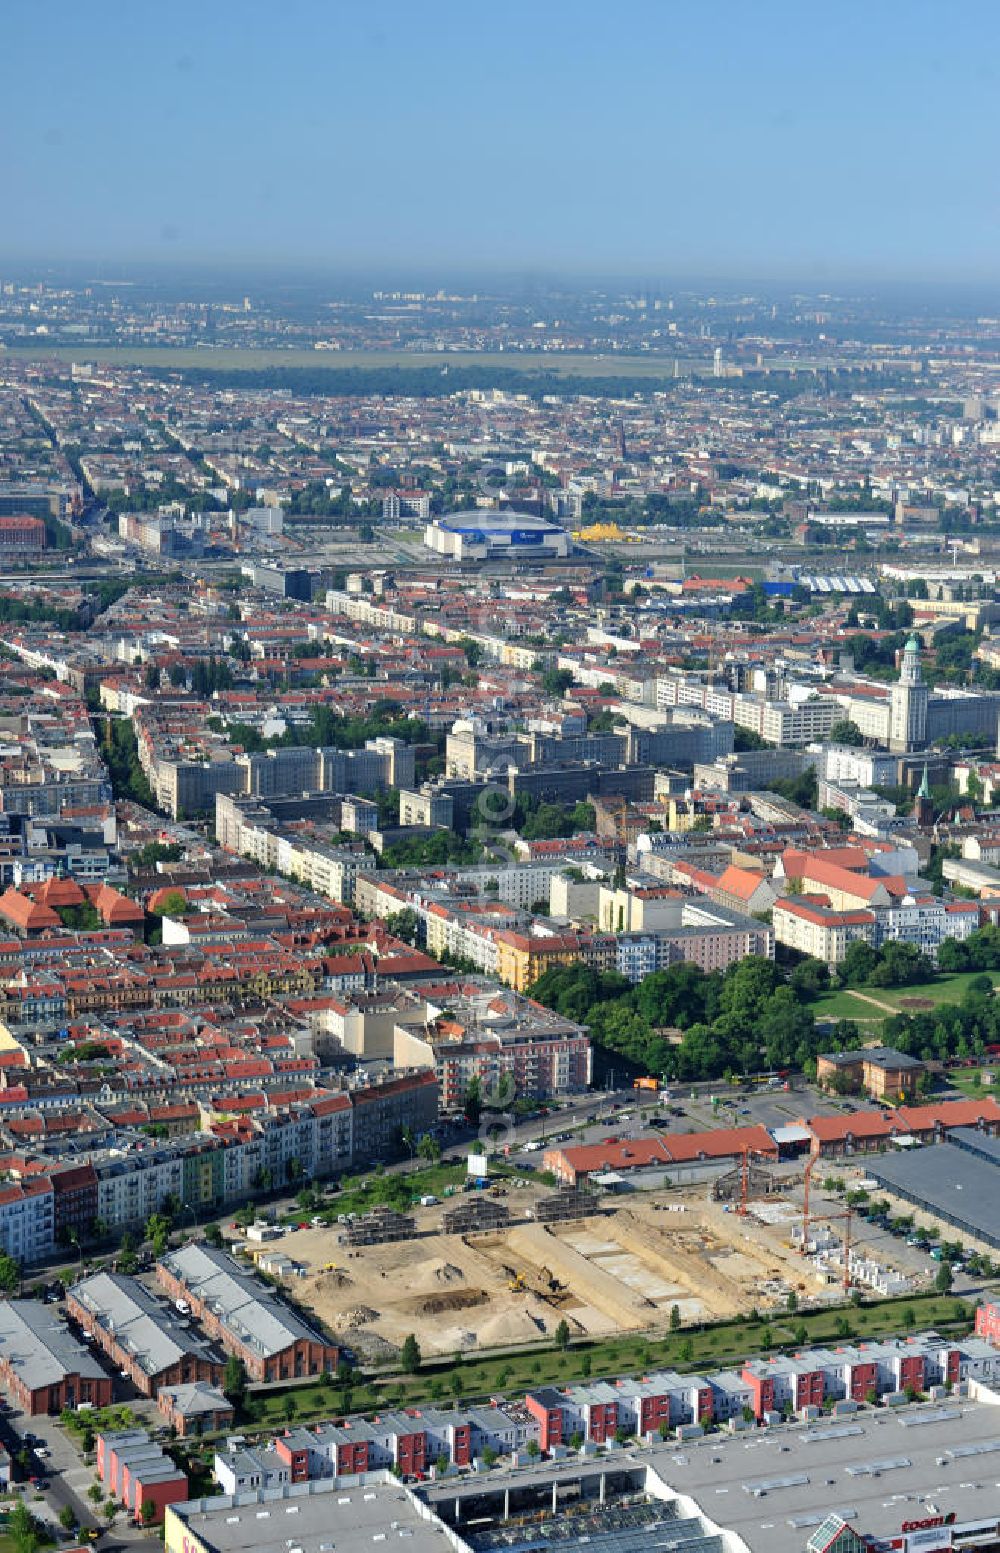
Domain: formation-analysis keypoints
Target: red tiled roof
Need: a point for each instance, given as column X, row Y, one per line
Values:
column 114, row 907
column 862, row 1124
column 60, row 892
column 26, row 913
column 949, row 1113
column 669, row 1148
column 742, row 882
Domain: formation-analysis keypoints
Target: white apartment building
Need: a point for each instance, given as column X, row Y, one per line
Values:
column 820, row 931
column 784, row 723
column 26, row 1221
column 868, row 768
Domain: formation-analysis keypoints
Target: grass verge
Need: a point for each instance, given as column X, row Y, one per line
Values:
column 691, row 1350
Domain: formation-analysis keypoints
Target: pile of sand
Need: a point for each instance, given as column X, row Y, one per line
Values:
column 327, row 1283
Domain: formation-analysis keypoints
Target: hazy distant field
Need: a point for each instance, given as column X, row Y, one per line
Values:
column 229, row 359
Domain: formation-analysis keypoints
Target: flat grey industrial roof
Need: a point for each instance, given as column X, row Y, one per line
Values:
column 774, row 1487
column 877, row 1469
column 141, row 1324
column 39, row 1348
column 960, row 1187
column 975, row 1142
column 316, row 1517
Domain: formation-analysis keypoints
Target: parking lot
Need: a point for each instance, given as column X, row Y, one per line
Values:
column 630, row 1113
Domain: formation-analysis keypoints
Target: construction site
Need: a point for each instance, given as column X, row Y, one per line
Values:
column 482, row 1274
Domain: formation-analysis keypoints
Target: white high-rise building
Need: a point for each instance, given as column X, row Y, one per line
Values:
column 908, row 704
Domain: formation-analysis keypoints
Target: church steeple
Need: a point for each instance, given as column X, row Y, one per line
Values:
column 923, row 808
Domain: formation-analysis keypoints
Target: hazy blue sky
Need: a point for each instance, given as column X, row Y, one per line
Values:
column 811, row 139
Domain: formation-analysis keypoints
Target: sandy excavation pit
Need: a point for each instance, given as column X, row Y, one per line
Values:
column 612, row 1273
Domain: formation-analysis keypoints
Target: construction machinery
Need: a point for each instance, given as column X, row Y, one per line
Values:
column 543, row 1283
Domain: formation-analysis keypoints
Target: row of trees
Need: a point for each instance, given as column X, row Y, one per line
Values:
column 894, row 965
column 120, row 749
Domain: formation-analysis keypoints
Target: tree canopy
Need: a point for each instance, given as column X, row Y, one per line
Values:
column 757, row 1017
column 847, row 732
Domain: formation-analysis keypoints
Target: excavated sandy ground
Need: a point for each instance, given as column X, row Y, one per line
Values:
column 610, row 1273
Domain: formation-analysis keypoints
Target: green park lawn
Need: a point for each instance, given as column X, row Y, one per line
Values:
column 947, row 989
column 969, row 1082
column 846, row 1004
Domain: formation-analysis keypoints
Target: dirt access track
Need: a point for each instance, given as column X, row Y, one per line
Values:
column 615, row 1272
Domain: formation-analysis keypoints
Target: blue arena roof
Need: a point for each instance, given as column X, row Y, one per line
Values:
column 472, row 521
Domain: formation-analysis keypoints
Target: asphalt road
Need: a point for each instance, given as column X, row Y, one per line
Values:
column 68, row 1480
column 63, row 1468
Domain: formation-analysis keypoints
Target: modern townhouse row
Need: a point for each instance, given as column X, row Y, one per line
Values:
column 138, row 1473
column 665, row 1401
column 409, row 1442
column 413, row 1440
